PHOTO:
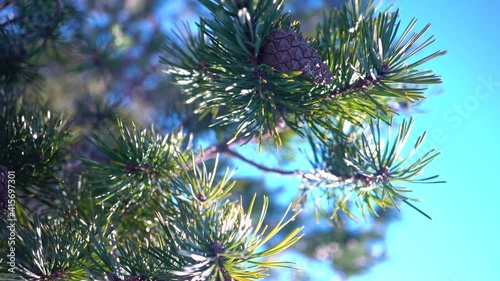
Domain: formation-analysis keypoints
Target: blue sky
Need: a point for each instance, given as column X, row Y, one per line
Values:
column 462, row 242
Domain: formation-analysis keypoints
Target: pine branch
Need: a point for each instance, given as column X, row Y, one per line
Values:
column 225, row 148
column 24, row 38
column 151, row 209
column 362, row 49
column 33, row 144
column 362, row 85
column 370, row 61
column 140, row 162
column 362, row 173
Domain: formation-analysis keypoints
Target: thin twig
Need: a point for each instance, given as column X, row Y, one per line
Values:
column 227, row 150
column 223, row 148
column 360, row 85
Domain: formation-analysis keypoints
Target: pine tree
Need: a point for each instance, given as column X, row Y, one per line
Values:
column 142, row 204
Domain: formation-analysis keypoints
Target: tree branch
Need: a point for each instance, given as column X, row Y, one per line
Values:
column 360, row 85
column 226, row 150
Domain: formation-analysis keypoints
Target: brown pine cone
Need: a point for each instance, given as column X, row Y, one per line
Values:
column 287, row 51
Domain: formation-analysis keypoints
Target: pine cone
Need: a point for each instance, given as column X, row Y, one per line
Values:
column 286, row 51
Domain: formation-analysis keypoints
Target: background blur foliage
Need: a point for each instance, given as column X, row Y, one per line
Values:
column 82, row 83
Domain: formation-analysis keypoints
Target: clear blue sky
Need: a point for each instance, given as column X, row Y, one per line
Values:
column 462, row 243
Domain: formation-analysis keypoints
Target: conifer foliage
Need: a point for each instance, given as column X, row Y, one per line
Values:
column 153, row 206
